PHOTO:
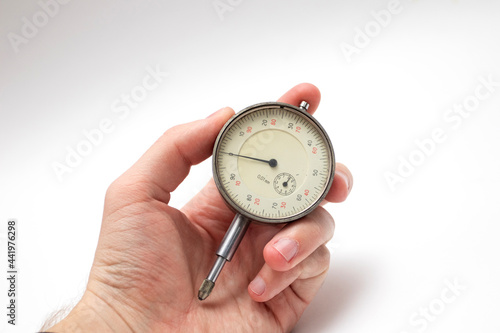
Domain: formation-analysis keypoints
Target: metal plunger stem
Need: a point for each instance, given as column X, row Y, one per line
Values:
column 226, row 250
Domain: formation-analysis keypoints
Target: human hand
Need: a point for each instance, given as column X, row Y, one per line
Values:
column 151, row 257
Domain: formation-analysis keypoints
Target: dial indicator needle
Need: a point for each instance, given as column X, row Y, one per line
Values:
column 285, row 184
column 272, row 162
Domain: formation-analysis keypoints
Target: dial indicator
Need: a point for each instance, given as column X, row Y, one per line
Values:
column 272, row 163
column 265, row 141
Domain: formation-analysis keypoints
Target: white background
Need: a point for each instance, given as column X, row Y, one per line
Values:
column 394, row 249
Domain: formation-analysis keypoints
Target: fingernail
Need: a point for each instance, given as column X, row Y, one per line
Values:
column 287, row 247
column 258, row 285
column 346, row 179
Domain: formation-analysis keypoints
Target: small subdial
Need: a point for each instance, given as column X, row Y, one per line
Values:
column 284, row 183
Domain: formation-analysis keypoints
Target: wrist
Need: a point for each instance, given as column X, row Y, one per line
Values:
column 92, row 314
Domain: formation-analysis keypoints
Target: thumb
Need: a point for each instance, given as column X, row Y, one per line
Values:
column 167, row 162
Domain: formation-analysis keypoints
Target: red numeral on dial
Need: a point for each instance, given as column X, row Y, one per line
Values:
column 257, row 201
column 306, row 192
column 249, row 129
column 283, row 204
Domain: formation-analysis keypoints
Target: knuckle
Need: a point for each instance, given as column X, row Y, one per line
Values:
column 317, row 263
column 127, row 188
column 323, row 256
column 113, row 189
column 325, row 223
column 172, row 131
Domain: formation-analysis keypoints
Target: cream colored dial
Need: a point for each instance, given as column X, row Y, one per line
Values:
column 273, row 162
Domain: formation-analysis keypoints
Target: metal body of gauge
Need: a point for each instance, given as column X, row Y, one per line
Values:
column 272, row 163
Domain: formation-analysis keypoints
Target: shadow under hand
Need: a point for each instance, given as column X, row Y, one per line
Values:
column 343, row 286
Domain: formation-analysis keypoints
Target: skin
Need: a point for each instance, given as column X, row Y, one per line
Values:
column 151, row 258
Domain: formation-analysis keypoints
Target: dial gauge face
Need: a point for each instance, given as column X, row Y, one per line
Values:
column 273, row 163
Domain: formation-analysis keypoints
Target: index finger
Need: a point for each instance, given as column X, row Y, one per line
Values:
column 303, row 92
